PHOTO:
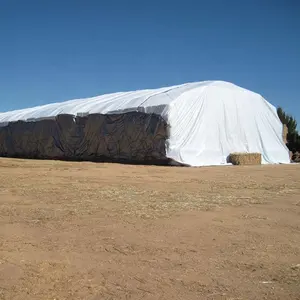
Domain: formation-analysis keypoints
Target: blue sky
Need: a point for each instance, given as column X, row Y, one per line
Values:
column 58, row 50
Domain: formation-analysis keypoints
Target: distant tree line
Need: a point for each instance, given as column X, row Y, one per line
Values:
column 293, row 137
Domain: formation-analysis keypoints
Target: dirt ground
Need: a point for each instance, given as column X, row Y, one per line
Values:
column 108, row 231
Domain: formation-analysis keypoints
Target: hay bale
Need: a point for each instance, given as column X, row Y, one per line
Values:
column 285, row 132
column 245, row 158
column 296, row 157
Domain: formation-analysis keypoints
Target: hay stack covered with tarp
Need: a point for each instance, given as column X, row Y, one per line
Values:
column 245, row 158
column 133, row 137
column 194, row 124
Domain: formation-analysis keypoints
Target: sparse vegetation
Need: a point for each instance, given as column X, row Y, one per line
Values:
column 108, row 231
column 293, row 137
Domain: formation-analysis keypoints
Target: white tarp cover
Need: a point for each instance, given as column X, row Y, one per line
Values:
column 208, row 120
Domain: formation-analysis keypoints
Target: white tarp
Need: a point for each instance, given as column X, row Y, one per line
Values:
column 208, row 120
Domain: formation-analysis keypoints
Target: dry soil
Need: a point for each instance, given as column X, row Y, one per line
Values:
column 108, row 231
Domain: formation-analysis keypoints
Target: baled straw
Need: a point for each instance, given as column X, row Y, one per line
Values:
column 245, row 158
column 285, row 132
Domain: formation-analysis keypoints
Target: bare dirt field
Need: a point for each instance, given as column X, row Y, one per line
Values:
column 108, row 231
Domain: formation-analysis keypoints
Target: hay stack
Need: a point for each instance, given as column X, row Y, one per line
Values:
column 245, row 158
column 296, row 157
column 285, row 132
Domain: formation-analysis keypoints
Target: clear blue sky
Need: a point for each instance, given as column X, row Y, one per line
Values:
column 62, row 49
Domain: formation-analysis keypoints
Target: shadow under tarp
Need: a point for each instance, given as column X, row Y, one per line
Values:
column 132, row 137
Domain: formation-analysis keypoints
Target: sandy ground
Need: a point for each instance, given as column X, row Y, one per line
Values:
column 109, row 231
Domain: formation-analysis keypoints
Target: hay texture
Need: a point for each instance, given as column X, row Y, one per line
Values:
column 285, row 132
column 296, row 157
column 245, row 158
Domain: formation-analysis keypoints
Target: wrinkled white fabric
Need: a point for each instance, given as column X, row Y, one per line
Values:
column 208, row 120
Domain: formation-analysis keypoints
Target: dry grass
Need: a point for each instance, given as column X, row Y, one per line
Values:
column 109, row 231
column 245, row 158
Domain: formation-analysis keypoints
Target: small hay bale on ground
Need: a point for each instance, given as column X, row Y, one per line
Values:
column 245, row 158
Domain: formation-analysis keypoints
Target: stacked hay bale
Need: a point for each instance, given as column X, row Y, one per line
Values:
column 296, row 157
column 245, row 158
column 285, row 132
